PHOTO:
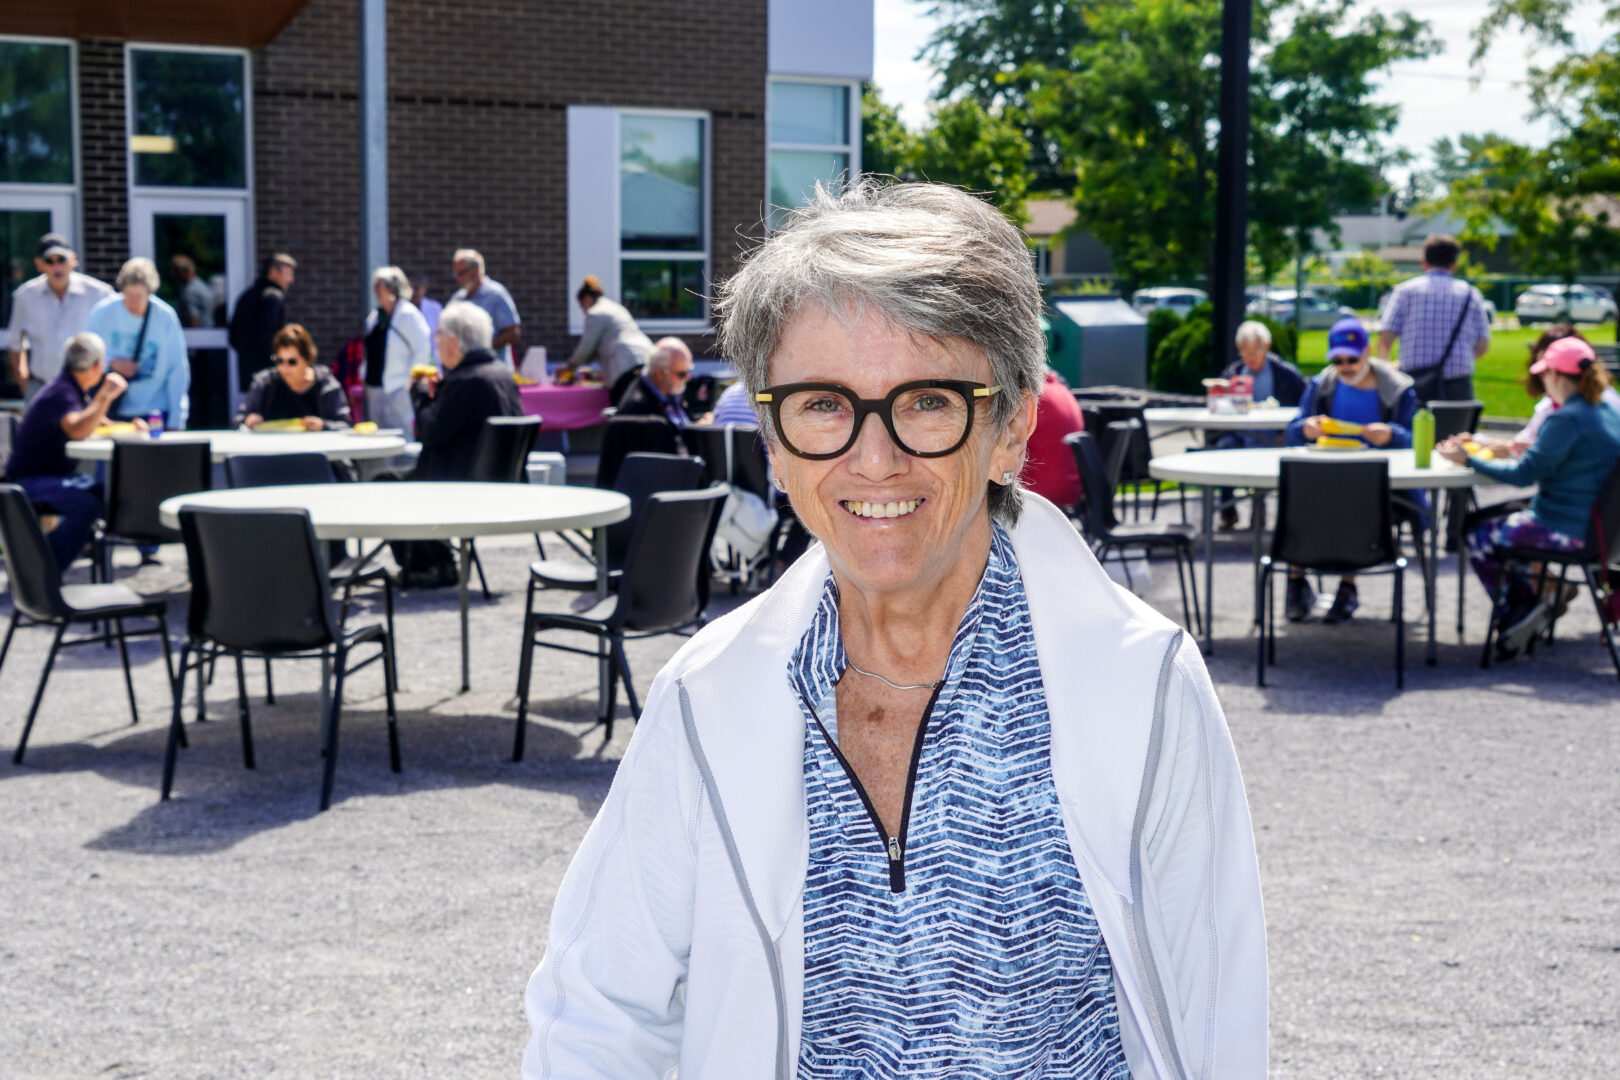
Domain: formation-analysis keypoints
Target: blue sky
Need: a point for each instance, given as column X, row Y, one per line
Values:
column 1437, row 96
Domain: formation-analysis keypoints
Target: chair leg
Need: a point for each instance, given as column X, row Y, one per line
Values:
column 1181, row 582
column 1497, row 599
column 175, row 681
column 39, row 694
column 242, row 716
column 1400, row 628
column 390, row 678
column 525, row 663
column 1541, row 590
column 203, row 661
column 1271, row 619
column 1265, row 609
column 129, row 680
column 1552, row 621
column 269, row 684
column 1603, row 624
column 623, row 663
column 340, row 664
column 478, row 565
column 540, row 547
column 176, row 730
column 610, row 705
column 388, row 624
column 11, row 628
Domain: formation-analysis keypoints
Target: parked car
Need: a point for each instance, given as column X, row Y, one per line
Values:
column 1317, row 312
column 1171, row 298
column 1545, row 303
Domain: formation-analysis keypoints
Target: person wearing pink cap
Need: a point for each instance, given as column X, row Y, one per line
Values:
column 1573, row 453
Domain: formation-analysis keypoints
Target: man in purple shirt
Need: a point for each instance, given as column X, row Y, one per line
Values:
column 65, row 410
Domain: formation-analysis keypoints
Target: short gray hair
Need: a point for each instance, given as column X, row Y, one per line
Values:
column 81, row 352
column 469, row 324
column 138, row 271
column 664, row 350
column 1251, row 330
column 930, row 258
column 394, row 280
column 468, row 255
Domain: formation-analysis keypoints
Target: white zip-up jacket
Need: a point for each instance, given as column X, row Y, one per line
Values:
column 677, row 939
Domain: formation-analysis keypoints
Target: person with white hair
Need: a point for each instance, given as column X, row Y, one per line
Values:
column 493, row 297
column 657, row 391
column 1273, row 377
column 72, row 405
column 396, row 340
column 145, row 345
column 47, row 310
column 945, row 802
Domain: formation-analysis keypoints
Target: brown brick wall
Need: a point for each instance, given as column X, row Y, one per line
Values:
column 105, row 244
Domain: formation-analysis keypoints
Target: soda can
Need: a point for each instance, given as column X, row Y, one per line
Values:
column 154, row 423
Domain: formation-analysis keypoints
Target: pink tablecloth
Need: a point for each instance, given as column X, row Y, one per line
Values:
column 565, row 408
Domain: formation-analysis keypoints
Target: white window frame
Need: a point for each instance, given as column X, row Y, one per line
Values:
column 19, row 195
column 704, row 323
column 246, row 191
column 852, row 125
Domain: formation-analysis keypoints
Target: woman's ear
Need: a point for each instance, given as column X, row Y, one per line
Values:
column 1013, row 443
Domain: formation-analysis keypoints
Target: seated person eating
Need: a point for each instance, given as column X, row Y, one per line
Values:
column 295, row 388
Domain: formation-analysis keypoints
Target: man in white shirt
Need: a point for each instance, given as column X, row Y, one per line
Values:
column 47, row 310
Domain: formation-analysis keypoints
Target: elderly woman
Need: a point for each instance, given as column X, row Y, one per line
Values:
column 1274, row 378
column 396, row 341
column 944, row 802
column 145, row 345
column 295, row 388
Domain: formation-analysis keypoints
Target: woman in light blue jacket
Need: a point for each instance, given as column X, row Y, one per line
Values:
column 146, row 345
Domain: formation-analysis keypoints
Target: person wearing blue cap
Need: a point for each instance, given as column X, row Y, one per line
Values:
column 1358, row 389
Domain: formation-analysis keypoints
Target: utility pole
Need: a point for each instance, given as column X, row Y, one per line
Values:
column 1231, row 182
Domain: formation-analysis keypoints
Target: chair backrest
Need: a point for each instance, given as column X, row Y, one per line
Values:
column 661, row 588
column 640, row 478
column 1123, row 434
column 633, row 435
column 8, row 438
column 1098, row 417
column 502, row 453
column 709, row 442
column 1099, row 493
column 258, row 580
column 277, row 470
column 1605, row 540
column 142, row 475
column 1334, row 515
column 1455, row 417
column 36, row 580
column 735, row 455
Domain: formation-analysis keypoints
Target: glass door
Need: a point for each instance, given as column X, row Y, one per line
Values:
column 24, row 218
column 200, row 247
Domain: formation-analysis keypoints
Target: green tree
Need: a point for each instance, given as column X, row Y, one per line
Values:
column 1136, row 111
column 967, row 145
column 989, row 49
column 886, row 145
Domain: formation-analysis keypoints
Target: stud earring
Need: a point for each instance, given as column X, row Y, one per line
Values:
column 780, row 486
column 1007, row 478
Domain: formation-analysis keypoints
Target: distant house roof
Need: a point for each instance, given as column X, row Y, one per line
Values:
column 658, row 206
column 1048, row 217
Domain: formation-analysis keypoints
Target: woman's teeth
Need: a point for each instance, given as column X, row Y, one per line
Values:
column 881, row 509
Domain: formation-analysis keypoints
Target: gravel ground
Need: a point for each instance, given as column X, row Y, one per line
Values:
column 1439, row 865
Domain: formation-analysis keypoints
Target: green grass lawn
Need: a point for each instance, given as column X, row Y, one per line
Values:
column 1498, row 375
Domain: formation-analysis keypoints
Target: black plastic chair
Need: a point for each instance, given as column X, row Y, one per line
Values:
column 345, row 572
column 1455, row 417
column 8, row 437
column 735, row 455
column 625, row 435
column 640, row 478
column 1107, row 533
column 240, row 609
column 39, row 598
column 1134, row 465
column 659, row 594
column 141, row 476
column 1595, row 558
column 1333, row 517
column 501, row 456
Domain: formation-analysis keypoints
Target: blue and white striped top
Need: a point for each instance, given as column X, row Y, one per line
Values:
column 979, row 955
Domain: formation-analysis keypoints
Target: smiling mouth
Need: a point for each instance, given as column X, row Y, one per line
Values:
column 882, row 509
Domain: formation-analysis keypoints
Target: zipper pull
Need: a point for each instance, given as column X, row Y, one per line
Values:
column 897, row 868
column 894, row 849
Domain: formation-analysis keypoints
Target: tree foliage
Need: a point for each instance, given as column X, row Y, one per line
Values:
column 885, row 143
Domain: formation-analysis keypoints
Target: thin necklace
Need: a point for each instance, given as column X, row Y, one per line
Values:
column 886, row 682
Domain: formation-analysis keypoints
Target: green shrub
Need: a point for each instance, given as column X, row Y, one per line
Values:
column 1183, row 359
column 1284, row 342
column 1161, row 323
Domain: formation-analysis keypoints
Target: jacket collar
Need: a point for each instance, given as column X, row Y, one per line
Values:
column 472, row 359
column 1390, row 382
column 1100, row 652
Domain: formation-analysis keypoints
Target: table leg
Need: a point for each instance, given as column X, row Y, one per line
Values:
column 604, row 672
column 1432, row 572
column 1208, row 499
column 464, row 572
column 1258, row 524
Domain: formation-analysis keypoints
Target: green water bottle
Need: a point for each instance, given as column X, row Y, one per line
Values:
column 1423, row 437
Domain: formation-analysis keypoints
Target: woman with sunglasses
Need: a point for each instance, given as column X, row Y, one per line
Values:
column 295, row 387
column 1360, row 389
column 944, row 802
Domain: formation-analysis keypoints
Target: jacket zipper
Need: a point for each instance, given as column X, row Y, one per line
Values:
column 894, row 846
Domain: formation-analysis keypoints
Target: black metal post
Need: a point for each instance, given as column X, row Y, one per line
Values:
column 1231, row 182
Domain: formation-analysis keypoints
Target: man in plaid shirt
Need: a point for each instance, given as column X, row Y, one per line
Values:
column 1441, row 323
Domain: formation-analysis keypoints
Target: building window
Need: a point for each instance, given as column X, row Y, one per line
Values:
column 663, row 215
column 188, row 118
column 812, row 129
column 36, row 112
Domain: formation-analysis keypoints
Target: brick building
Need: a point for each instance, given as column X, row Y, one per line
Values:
column 643, row 141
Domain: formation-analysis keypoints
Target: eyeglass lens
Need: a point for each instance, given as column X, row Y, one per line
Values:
column 926, row 420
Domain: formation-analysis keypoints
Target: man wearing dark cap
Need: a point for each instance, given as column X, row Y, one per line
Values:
column 260, row 312
column 47, row 310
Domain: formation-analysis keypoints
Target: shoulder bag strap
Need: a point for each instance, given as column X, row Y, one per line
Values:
column 1468, row 305
column 140, row 339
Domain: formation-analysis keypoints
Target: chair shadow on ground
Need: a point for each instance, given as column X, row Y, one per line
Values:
column 218, row 802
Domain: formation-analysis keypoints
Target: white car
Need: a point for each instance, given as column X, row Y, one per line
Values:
column 1544, row 303
column 1178, row 300
column 1318, row 313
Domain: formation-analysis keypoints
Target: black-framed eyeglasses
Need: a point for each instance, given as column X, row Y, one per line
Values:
column 54, row 260
column 926, row 418
column 288, row 361
column 1345, row 361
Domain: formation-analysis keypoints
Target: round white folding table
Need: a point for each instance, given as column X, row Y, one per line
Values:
column 334, row 445
column 1259, row 470
column 1198, row 418
column 451, row 511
